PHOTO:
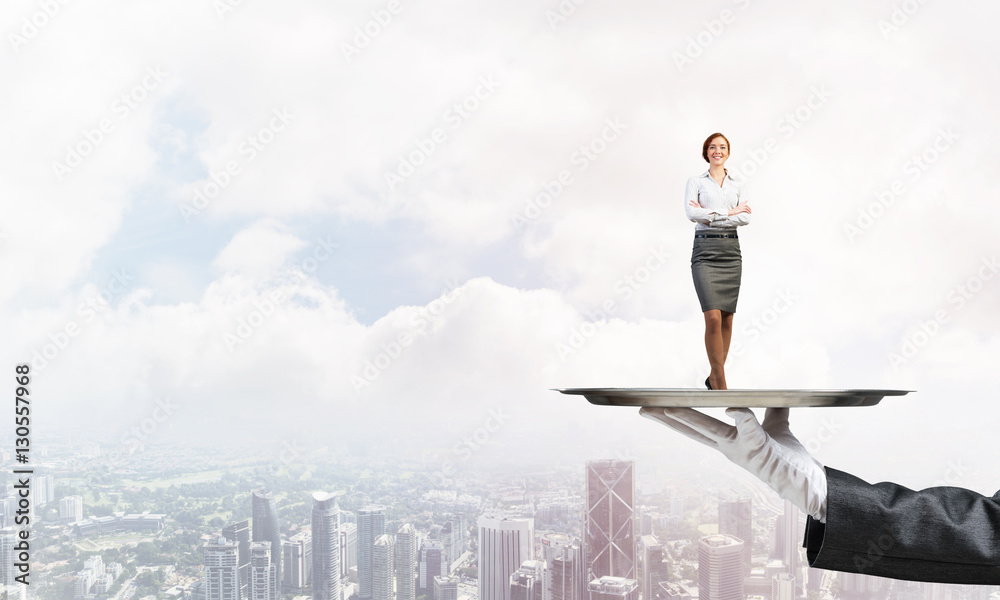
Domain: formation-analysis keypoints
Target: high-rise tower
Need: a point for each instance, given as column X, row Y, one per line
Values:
column 371, row 524
column 266, row 529
column 720, row 568
column 736, row 519
column 609, row 540
column 325, row 547
column 406, row 563
column 383, row 570
column 221, row 570
column 504, row 543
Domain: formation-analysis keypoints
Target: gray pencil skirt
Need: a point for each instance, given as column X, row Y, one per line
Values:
column 717, row 269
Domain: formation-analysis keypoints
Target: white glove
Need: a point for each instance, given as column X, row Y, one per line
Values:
column 770, row 452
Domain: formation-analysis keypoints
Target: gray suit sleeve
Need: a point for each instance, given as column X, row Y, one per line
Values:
column 942, row 534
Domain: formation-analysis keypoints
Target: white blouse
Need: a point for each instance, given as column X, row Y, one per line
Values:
column 715, row 202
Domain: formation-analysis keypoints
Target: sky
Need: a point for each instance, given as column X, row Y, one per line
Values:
column 404, row 223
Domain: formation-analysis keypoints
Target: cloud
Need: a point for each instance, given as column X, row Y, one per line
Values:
column 259, row 249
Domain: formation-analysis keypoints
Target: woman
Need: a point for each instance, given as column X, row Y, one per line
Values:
column 718, row 204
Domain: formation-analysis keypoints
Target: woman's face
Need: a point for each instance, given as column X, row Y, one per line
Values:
column 718, row 151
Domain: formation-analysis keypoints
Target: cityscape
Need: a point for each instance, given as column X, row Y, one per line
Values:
column 131, row 524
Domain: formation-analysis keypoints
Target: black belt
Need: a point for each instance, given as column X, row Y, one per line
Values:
column 716, row 235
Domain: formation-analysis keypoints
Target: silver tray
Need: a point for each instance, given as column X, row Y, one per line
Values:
column 699, row 398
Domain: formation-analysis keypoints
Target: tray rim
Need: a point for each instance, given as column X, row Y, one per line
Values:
column 748, row 398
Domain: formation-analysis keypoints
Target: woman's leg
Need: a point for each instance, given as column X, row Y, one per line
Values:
column 716, row 349
column 727, row 333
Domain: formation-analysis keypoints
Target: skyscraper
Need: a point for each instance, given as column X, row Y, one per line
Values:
column 71, row 509
column 406, row 563
column 653, row 568
column 371, row 524
column 528, row 581
column 325, row 547
column 720, row 568
column 239, row 532
column 263, row 576
column 736, row 519
column 504, row 543
column 613, row 588
column 348, row 550
column 609, row 540
column 296, row 561
column 791, row 538
column 7, row 541
column 266, row 528
column 383, row 570
column 445, row 588
column 432, row 563
column 221, row 570
column 563, row 567
column 782, row 586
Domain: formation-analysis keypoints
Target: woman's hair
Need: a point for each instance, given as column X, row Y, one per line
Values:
column 708, row 140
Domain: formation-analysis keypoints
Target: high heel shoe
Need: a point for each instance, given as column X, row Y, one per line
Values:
column 707, row 384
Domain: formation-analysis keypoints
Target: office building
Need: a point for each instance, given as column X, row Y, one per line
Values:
column 222, row 580
column 782, row 586
column 239, row 532
column 325, row 547
column 668, row 590
column 791, row 534
column 406, row 563
column 383, row 569
column 432, row 562
column 652, row 568
column 371, row 525
column 563, row 567
column 266, row 528
column 8, row 538
column 736, row 519
column 504, row 543
column 70, row 509
column 263, row 574
column 296, row 561
column 445, row 588
column 609, row 537
column 528, row 581
column 613, row 588
column 348, row 551
column 720, row 568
